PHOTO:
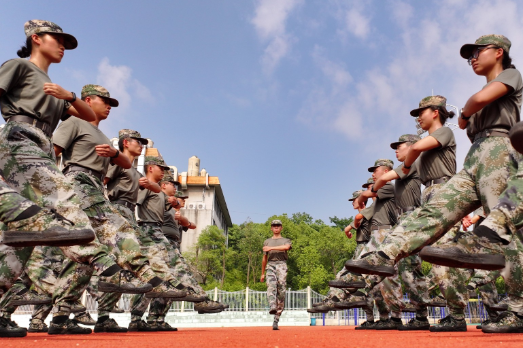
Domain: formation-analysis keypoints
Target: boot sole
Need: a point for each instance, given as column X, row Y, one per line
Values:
column 210, row 311
column 108, row 287
column 26, row 239
column 273, row 311
column 457, row 329
column 364, row 328
column 86, row 324
column 176, row 297
column 442, row 304
column 499, row 308
column 346, row 285
column 385, row 271
column 51, row 332
column 191, row 299
column 404, row 328
column 13, row 334
column 387, row 328
column 356, row 304
column 506, row 329
column 37, row 331
column 34, row 302
column 453, row 257
column 122, row 330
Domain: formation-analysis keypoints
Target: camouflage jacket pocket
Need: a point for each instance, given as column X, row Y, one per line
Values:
column 88, row 188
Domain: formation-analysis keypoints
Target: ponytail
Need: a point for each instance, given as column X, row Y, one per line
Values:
column 25, row 51
column 507, row 61
column 444, row 114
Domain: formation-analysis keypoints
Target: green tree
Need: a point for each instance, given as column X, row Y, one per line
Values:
column 341, row 223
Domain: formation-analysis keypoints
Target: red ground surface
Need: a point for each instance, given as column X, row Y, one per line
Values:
column 299, row 337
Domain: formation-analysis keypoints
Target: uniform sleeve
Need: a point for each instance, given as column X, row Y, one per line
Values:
column 288, row 242
column 65, row 115
column 142, row 196
column 444, row 136
column 265, row 244
column 10, row 73
column 386, row 192
column 66, row 132
column 511, row 78
column 412, row 172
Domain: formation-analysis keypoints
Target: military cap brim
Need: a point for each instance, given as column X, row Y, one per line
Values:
column 70, row 42
column 467, row 49
column 113, row 102
column 371, row 169
column 142, row 140
column 352, row 199
column 395, row 145
column 366, row 185
column 416, row 112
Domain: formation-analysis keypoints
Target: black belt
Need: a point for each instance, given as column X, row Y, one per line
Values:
column 75, row 168
column 380, row 227
column 491, row 133
column 127, row 204
column 146, row 223
column 441, row 180
column 44, row 127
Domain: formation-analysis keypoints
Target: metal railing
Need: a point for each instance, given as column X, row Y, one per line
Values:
column 295, row 300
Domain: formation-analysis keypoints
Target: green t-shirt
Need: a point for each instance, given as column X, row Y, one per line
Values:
column 151, row 206
column 407, row 189
column 171, row 227
column 503, row 112
column 123, row 184
column 385, row 212
column 277, row 255
column 363, row 232
column 23, row 83
column 440, row 161
column 78, row 138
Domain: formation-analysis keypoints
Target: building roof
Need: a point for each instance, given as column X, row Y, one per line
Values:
column 213, row 182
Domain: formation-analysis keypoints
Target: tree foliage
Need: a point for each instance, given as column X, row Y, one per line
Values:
column 234, row 262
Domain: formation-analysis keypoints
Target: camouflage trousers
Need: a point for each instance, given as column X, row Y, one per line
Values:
column 488, row 165
column 40, row 275
column 139, row 303
column 113, row 231
column 485, row 282
column 28, row 165
column 343, row 294
column 182, row 272
column 408, row 270
column 276, row 278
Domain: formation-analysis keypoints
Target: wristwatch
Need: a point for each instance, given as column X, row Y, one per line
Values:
column 117, row 154
column 463, row 116
column 74, row 97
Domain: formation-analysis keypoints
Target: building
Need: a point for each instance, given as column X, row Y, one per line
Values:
column 206, row 204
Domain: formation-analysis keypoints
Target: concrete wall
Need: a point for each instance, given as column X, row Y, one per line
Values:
column 210, row 215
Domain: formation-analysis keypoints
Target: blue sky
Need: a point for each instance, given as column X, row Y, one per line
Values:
column 287, row 101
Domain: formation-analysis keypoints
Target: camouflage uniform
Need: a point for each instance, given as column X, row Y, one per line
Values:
column 276, row 285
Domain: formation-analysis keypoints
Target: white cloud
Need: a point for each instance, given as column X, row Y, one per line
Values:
column 354, row 18
column 120, row 83
column 421, row 57
column 270, row 23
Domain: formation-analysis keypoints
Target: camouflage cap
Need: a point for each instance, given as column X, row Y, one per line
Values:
column 129, row 133
column 405, row 138
column 433, row 100
column 276, row 222
column 369, row 182
column 355, row 195
column 485, row 40
column 157, row 161
column 382, row 162
column 168, row 177
column 180, row 194
column 100, row 91
column 36, row 26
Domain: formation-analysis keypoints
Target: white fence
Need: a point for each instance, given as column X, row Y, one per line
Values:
column 296, row 300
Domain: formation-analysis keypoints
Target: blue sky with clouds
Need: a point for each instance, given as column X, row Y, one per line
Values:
column 287, row 101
